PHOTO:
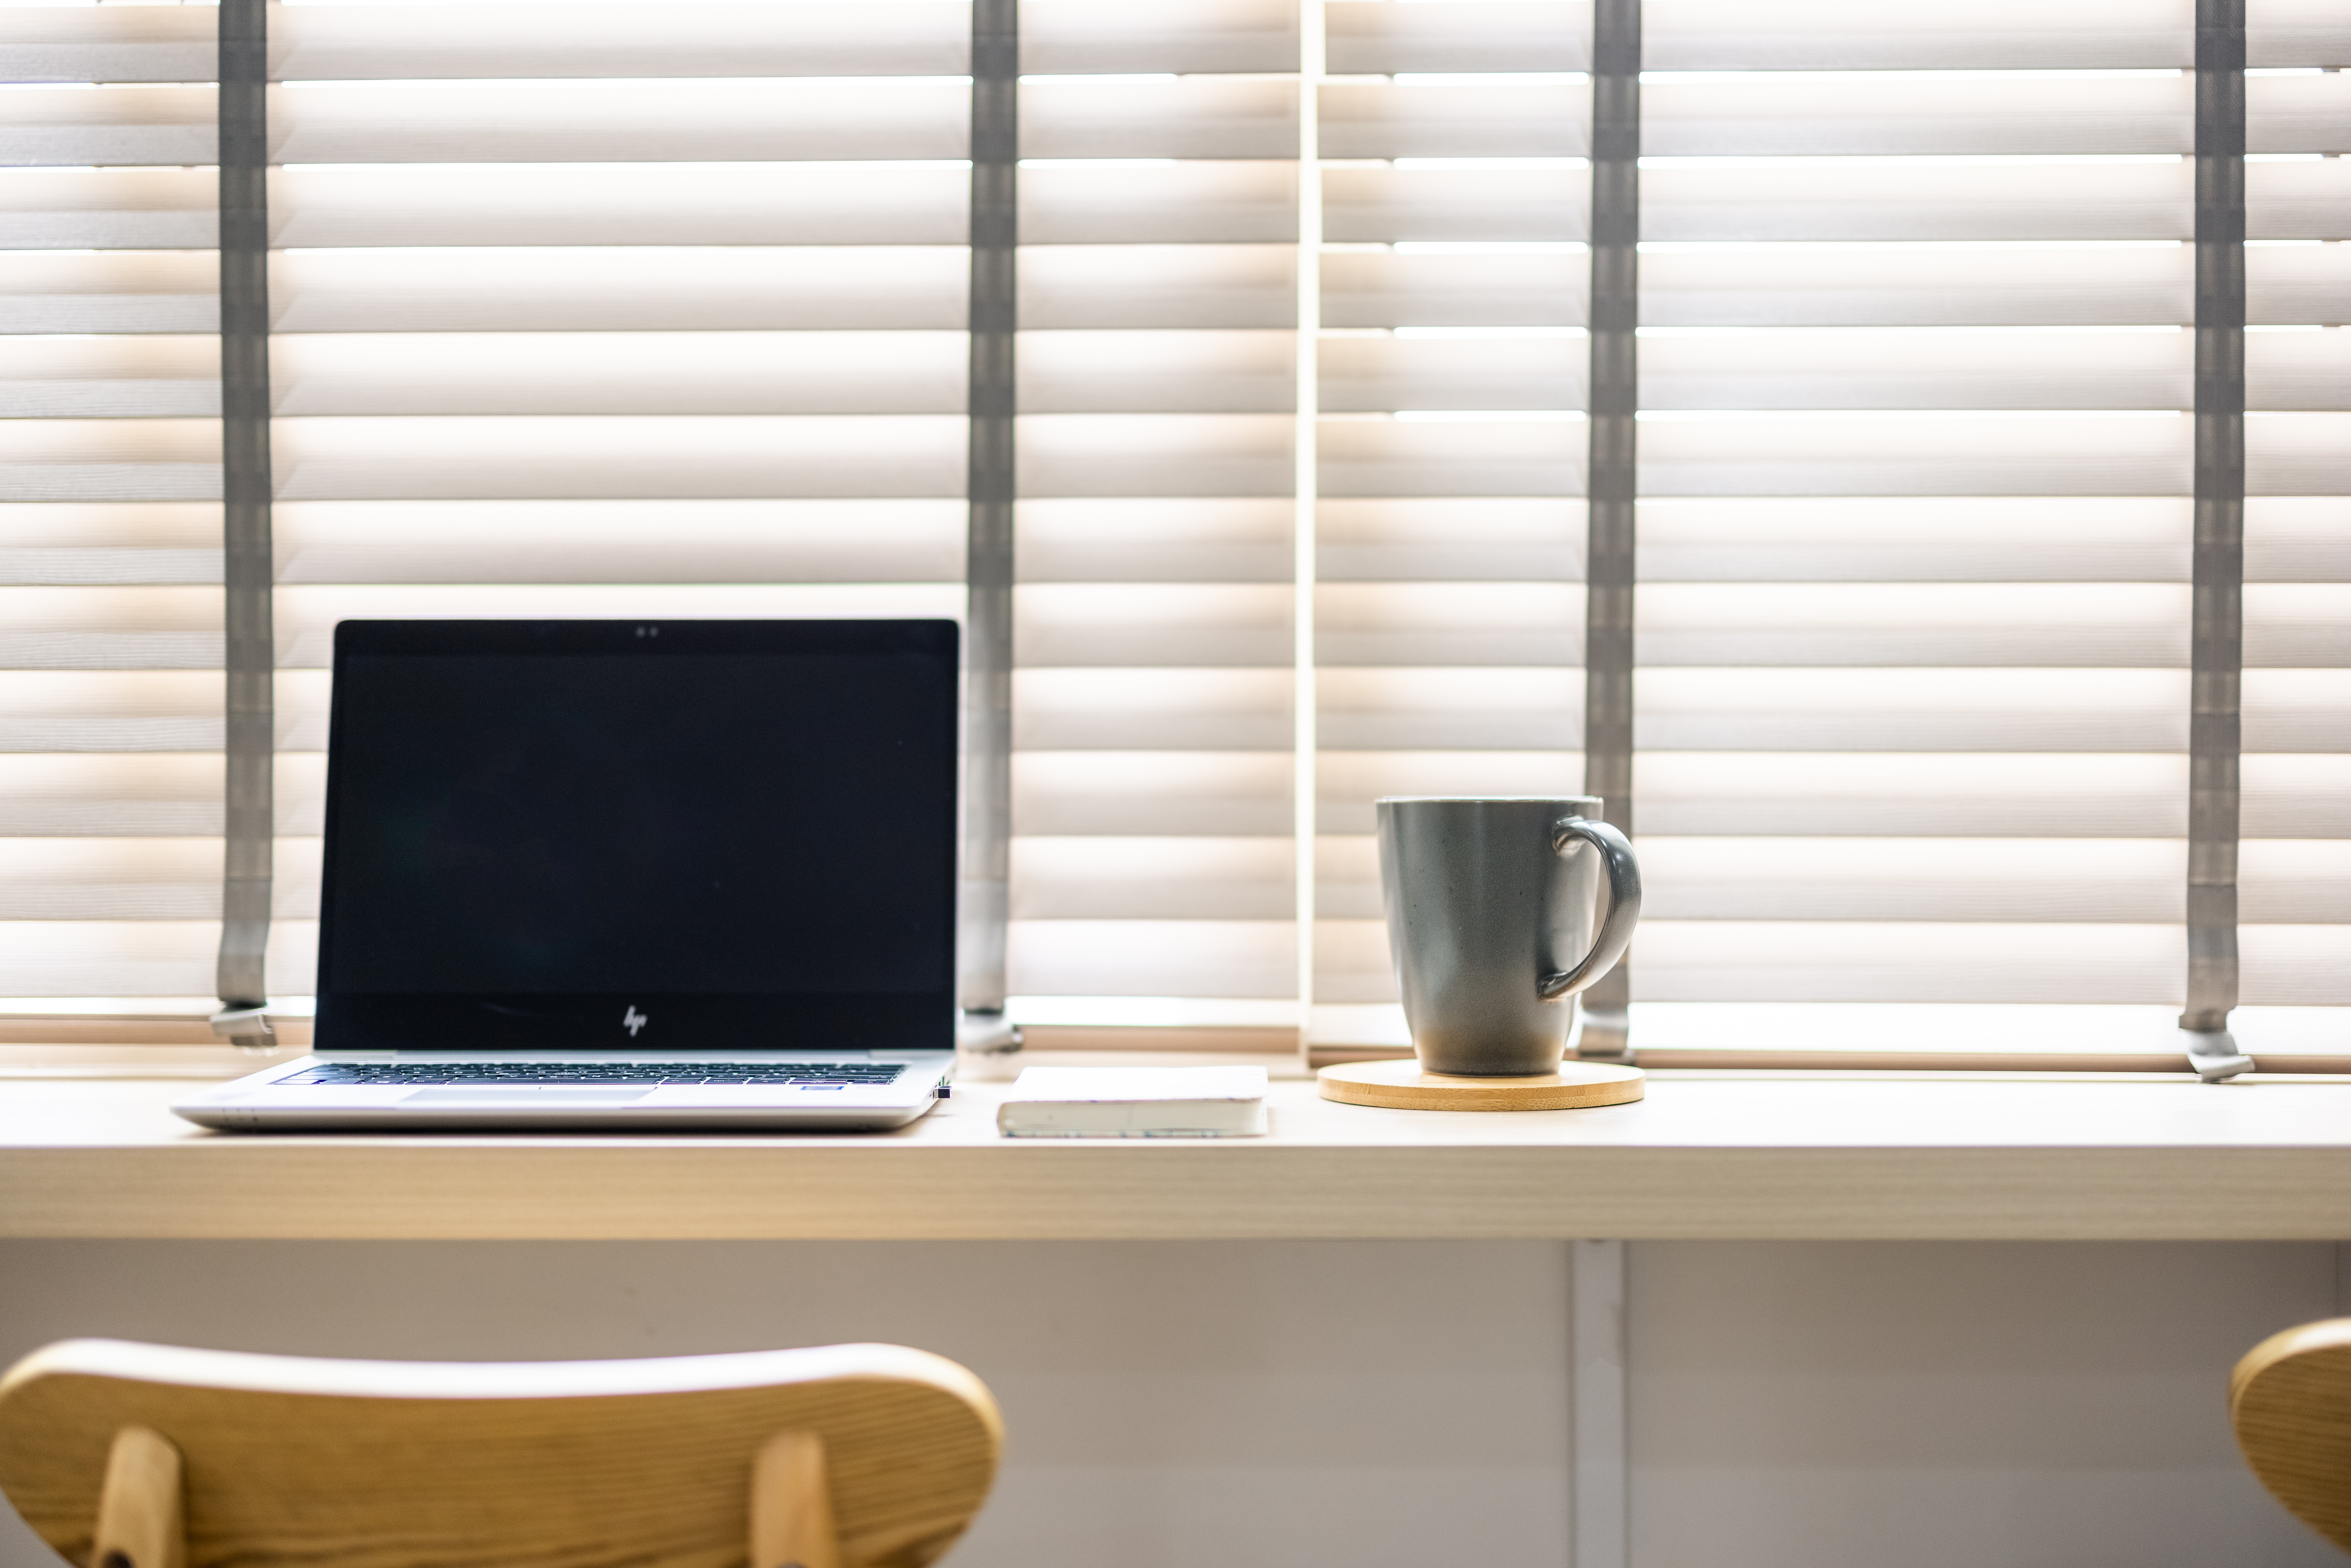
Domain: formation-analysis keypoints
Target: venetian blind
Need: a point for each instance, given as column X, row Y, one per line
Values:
column 577, row 311
column 1917, row 383
column 1916, row 361
column 110, row 691
column 590, row 309
column 1912, row 697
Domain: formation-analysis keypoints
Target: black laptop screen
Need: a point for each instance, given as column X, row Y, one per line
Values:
column 675, row 836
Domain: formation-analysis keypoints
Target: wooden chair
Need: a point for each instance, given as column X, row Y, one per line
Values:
column 2290, row 1399
column 139, row 1455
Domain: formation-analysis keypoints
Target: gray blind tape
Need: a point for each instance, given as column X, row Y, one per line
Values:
column 1610, row 484
column 988, row 545
column 249, row 653
column 2216, row 648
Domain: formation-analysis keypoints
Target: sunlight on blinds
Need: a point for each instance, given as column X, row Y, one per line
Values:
column 1152, row 852
column 1449, row 534
column 110, row 690
column 1914, row 604
column 2294, row 866
column 630, row 316
column 587, row 310
column 1913, row 624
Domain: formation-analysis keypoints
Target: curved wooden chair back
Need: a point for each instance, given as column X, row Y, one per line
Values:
column 853, row 1456
column 2289, row 1400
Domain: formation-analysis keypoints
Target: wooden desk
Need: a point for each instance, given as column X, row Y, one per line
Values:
column 1706, row 1156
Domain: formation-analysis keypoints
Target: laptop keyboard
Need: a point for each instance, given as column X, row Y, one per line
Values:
column 816, row 1073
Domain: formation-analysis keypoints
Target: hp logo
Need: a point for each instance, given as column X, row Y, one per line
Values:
column 633, row 1020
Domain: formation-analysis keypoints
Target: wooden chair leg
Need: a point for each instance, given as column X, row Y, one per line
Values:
column 140, row 1522
column 792, row 1505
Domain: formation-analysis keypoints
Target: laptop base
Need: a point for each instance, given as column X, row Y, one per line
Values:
column 265, row 1103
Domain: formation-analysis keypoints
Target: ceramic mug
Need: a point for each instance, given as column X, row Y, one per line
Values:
column 1494, row 924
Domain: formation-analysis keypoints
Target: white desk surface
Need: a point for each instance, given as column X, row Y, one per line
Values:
column 1705, row 1155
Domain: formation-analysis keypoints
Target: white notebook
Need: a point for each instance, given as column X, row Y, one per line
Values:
column 1135, row 1102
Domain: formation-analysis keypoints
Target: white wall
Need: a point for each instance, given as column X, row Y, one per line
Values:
column 1389, row 1404
column 1934, row 1404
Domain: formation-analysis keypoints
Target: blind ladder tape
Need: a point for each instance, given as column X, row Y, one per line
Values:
column 2216, row 646
column 988, row 562
column 1611, row 486
column 249, row 653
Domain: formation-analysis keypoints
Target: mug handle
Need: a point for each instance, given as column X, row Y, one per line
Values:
column 1623, row 902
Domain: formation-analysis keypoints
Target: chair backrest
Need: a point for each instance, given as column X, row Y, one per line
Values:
column 2289, row 1400
column 860, row 1456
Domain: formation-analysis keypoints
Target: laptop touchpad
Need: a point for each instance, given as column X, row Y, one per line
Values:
column 528, row 1096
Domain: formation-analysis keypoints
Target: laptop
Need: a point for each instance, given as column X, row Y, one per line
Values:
column 630, row 874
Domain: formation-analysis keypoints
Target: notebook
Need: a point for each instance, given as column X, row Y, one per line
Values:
column 1135, row 1102
column 608, row 873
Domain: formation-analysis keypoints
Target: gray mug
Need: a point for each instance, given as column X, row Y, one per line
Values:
column 1491, row 914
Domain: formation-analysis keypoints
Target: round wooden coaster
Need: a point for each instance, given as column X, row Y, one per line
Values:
column 1401, row 1085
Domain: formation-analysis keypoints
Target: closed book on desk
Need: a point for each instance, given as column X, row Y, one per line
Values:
column 1135, row 1102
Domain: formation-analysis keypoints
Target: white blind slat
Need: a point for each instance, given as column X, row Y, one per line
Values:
column 1995, row 709
column 1384, row 202
column 141, row 124
column 531, row 457
column 1706, row 795
column 1091, row 202
column 1384, row 287
column 1981, row 539
column 618, row 541
column 1912, row 961
column 1193, row 36
column 1099, row 876
column 1935, row 368
column 1869, row 453
column 108, row 209
column 1494, row 36
column 124, row 291
column 1937, row 197
column 460, row 43
column 1494, row 117
column 691, row 203
column 1154, row 540
column 1873, row 113
column 79, row 45
column 1206, row 455
column 58, row 796
column 1146, row 709
column 1852, row 35
column 1128, row 625
column 1521, row 539
column 1919, row 282
column 1203, row 285
column 1143, row 793
column 1190, row 117
column 630, row 289
column 635, row 373
column 2295, row 32
column 2298, row 199
column 1202, row 370
column 611, row 122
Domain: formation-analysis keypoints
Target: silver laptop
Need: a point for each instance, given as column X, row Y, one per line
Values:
column 624, row 874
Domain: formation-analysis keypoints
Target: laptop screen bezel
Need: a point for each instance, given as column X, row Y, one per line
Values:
column 918, row 1019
